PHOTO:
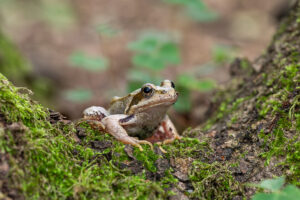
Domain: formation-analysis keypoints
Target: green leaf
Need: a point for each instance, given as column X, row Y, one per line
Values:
column 191, row 83
column 170, row 53
column 183, row 103
column 198, row 11
column 78, row 95
column 58, row 13
column 155, row 51
column 222, row 54
column 144, row 45
column 81, row 60
column 146, row 61
column 272, row 184
column 290, row 192
column 265, row 196
column 175, row 1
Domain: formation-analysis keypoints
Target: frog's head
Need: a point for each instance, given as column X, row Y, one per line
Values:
column 151, row 97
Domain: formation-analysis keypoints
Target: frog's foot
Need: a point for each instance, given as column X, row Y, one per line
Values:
column 113, row 126
column 135, row 142
column 126, row 139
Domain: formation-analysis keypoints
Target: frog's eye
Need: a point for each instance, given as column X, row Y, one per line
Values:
column 172, row 84
column 147, row 90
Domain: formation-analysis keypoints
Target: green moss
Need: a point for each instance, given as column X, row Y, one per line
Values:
column 54, row 166
column 18, row 107
column 226, row 108
column 188, row 147
column 282, row 142
column 213, row 181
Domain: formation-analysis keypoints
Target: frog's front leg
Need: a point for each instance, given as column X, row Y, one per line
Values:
column 170, row 130
column 166, row 133
column 114, row 126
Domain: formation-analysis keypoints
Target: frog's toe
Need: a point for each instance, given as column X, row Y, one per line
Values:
column 162, row 149
column 145, row 142
column 168, row 141
column 138, row 146
column 171, row 140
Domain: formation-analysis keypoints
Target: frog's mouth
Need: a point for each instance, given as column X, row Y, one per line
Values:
column 163, row 102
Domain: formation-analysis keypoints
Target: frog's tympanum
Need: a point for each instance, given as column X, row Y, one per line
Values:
column 138, row 118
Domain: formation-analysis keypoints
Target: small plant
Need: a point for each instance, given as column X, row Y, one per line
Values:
column 196, row 10
column 89, row 63
column 223, row 54
column 82, row 60
column 78, row 95
column 156, row 51
column 274, row 190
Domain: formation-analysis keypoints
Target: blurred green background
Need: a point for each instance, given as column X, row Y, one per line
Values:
column 74, row 54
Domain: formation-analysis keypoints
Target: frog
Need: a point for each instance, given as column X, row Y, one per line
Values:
column 139, row 117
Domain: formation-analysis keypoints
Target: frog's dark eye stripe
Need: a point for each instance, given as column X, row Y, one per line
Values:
column 172, row 84
column 147, row 90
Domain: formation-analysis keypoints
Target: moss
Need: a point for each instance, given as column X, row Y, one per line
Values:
column 54, row 166
column 226, row 108
column 188, row 147
column 18, row 107
column 213, row 181
column 283, row 141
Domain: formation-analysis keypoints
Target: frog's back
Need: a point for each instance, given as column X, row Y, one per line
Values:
column 118, row 105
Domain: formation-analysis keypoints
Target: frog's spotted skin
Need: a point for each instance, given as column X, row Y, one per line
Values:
column 141, row 114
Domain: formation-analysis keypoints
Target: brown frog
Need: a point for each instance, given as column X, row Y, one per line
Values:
column 140, row 117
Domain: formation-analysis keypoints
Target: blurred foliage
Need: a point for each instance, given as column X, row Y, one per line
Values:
column 56, row 12
column 275, row 190
column 12, row 64
column 223, row 54
column 89, row 63
column 79, row 95
column 154, row 50
column 191, row 82
column 82, row 60
column 107, row 30
column 196, row 10
column 15, row 67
